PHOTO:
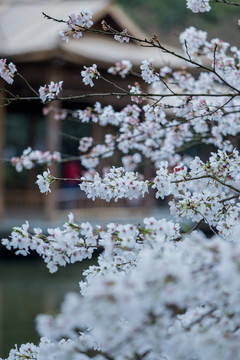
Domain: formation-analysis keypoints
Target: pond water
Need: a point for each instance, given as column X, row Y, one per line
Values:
column 27, row 289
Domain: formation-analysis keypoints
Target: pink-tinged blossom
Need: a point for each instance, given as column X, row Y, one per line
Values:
column 76, row 24
column 58, row 114
column 7, row 71
column 83, row 19
column 50, row 92
column 122, row 68
column 90, row 73
column 122, row 37
column 30, row 158
column 136, row 90
column 85, row 143
column 148, row 72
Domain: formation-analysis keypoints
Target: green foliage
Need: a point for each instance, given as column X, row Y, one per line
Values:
column 169, row 17
column 162, row 14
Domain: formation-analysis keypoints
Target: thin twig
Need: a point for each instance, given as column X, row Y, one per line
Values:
column 214, row 58
column 227, row 2
column 54, row 19
column 27, row 83
column 206, row 177
column 187, row 52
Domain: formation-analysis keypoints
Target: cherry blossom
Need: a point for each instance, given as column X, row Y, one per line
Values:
column 115, row 185
column 76, row 24
column 130, row 162
column 85, row 143
column 149, row 73
column 122, row 37
column 136, row 90
column 50, row 92
column 198, row 5
column 122, row 68
column 44, row 181
column 193, row 41
column 30, row 158
column 90, row 73
column 7, row 71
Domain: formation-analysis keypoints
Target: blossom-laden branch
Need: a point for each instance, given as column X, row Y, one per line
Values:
column 192, row 42
column 149, row 131
column 50, row 92
column 196, row 112
column 206, row 191
column 30, row 158
column 78, row 241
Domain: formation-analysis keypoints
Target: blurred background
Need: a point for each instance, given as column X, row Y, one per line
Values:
column 169, row 18
column 33, row 44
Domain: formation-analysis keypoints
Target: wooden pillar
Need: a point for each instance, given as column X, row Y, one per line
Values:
column 52, row 144
column 52, row 138
column 2, row 148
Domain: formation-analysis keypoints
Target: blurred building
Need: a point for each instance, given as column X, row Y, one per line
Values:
column 33, row 44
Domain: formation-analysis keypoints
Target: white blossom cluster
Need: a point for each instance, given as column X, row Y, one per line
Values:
column 130, row 162
column 205, row 191
column 198, row 5
column 147, row 129
column 30, row 158
column 91, row 160
column 44, row 181
column 116, row 184
column 137, row 92
column 7, row 71
column 76, row 242
column 122, row 37
column 103, row 116
column 148, row 72
column 122, row 68
column 50, row 92
column 90, row 73
column 76, row 24
column 193, row 41
column 85, row 143
column 58, row 247
column 225, row 59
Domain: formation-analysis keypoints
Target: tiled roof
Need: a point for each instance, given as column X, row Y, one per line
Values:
column 25, row 35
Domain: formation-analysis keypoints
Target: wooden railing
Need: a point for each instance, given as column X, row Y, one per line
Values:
column 23, row 200
column 33, row 202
